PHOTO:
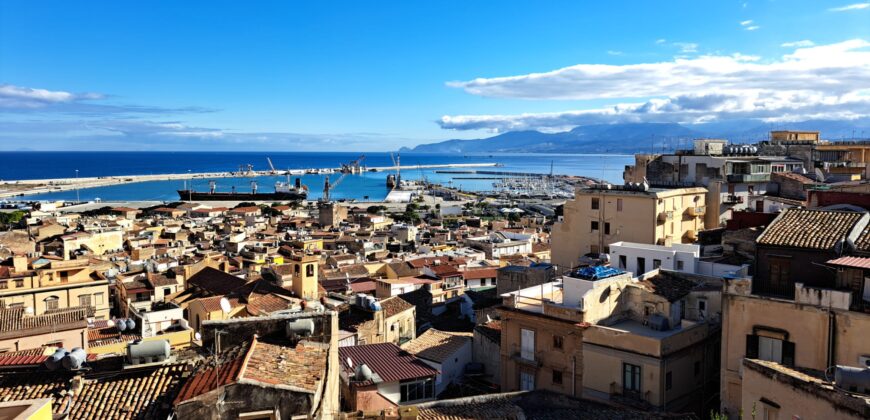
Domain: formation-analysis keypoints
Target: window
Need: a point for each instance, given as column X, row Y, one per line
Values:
column 557, row 341
column 98, row 298
column 417, row 390
column 771, row 349
column 309, row 270
column 85, row 300
column 527, row 381
column 630, row 378
column 618, row 204
column 19, row 282
column 623, row 262
column 669, row 380
column 594, row 225
column 607, row 228
column 595, row 204
column 4, row 284
column 641, row 265
column 657, row 263
column 167, row 291
column 51, row 303
column 527, row 344
column 680, row 265
column 702, row 308
column 557, row 377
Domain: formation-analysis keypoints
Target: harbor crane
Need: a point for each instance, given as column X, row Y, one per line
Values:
column 354, row 166
column 327, row 187
column 272, row 170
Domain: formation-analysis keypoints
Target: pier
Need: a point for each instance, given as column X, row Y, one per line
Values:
column 13, row 188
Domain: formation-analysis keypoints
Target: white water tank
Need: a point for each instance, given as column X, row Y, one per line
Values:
column 148, row 351
column 853, row 379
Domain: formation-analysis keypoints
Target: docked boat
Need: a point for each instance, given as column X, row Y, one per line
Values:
column 284, row 191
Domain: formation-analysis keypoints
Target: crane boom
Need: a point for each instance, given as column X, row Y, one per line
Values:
column 270, row 164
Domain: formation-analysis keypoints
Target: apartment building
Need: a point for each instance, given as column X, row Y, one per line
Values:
column 47, row 285
column 604, row 214
column 804, row 312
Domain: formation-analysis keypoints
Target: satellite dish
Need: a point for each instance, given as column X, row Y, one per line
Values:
column 225, row 305
column 197, row 336
column 110, row 323
column 820, row 176
column 349, row 363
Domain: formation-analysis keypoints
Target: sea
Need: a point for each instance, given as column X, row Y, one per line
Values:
column 366, row 186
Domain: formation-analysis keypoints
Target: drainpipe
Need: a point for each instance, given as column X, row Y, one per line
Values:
column 574, row 376
column 832, row 330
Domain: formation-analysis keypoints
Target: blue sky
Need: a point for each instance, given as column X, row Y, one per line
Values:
column 357, row 75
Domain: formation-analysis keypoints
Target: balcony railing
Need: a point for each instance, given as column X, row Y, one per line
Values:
column 666, row 215
column 696, row 211
column 732, row 199
column 742, row 178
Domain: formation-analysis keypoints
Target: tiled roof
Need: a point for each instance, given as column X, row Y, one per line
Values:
column 436, row 346
column 490, row 330
column 215, row 281
column 13, row 322
column 387, row 360
column 668, row 286
column 269, row 303
column 140, row 393
column 854, row 262
column 204, row 380
column 302, row 367
column 213, row 303
column 863, row 241
column 394, row 305
column 812, row 229
column 533, row 405
column 484, row 273
column 158, row 280
column 96, row 335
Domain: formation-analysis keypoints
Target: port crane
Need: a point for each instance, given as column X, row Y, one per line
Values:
column 327, row 187
column 354, row 166
column 272, row 171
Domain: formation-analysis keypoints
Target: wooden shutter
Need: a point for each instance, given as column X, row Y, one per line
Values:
column 751, row 346
column 788, row 353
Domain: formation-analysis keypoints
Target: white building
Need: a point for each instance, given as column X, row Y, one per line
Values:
column 500, row 244
column 639, row 258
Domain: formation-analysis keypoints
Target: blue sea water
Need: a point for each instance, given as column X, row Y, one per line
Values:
column 41, row 165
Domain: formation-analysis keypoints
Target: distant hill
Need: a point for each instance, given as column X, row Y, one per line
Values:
column 635, row 137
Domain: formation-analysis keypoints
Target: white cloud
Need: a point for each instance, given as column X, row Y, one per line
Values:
column 749, row 26
column 12, row 96
column 746, row 22
column 855, row 6
column 661, row 41
column 801, row 43
column 752, row 28
column 827, row 81
column 687, row 47
column 612, row 52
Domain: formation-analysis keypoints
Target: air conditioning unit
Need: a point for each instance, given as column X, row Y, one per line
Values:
column 864, row 361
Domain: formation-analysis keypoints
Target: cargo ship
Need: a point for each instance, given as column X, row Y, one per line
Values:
column 284, row 191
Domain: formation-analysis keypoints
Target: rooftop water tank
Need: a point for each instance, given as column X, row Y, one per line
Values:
column 853, row 379
column 148, row 351
column 300, row 327
column 54, row 361
column 121, row 325
column 74, row 359
column 131, row 324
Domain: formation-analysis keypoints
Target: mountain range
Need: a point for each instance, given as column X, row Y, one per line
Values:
column 637, row 137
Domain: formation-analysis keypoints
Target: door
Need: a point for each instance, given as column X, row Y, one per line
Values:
column 527, row 381
column 527, row 344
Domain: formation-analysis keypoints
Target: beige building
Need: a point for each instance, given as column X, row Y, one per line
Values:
column 602, row 215
column 651, row 343
column 22, row 330
column 53, row 285
column 95, row 243
column 803, row 312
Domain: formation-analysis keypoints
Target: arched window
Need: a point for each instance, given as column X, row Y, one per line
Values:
column 309, row 270
column 51, row 302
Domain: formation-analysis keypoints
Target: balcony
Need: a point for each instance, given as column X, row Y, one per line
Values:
column 748, row 178
column 666, row 215
column 696, row 211
column 732, row 199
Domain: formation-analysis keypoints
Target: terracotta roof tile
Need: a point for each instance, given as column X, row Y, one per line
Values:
column 302, row 367
column 812, row 229
column 394, row 305
column 13, row 321
column 436, row 345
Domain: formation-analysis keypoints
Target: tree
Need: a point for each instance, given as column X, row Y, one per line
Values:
column 11, row 218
